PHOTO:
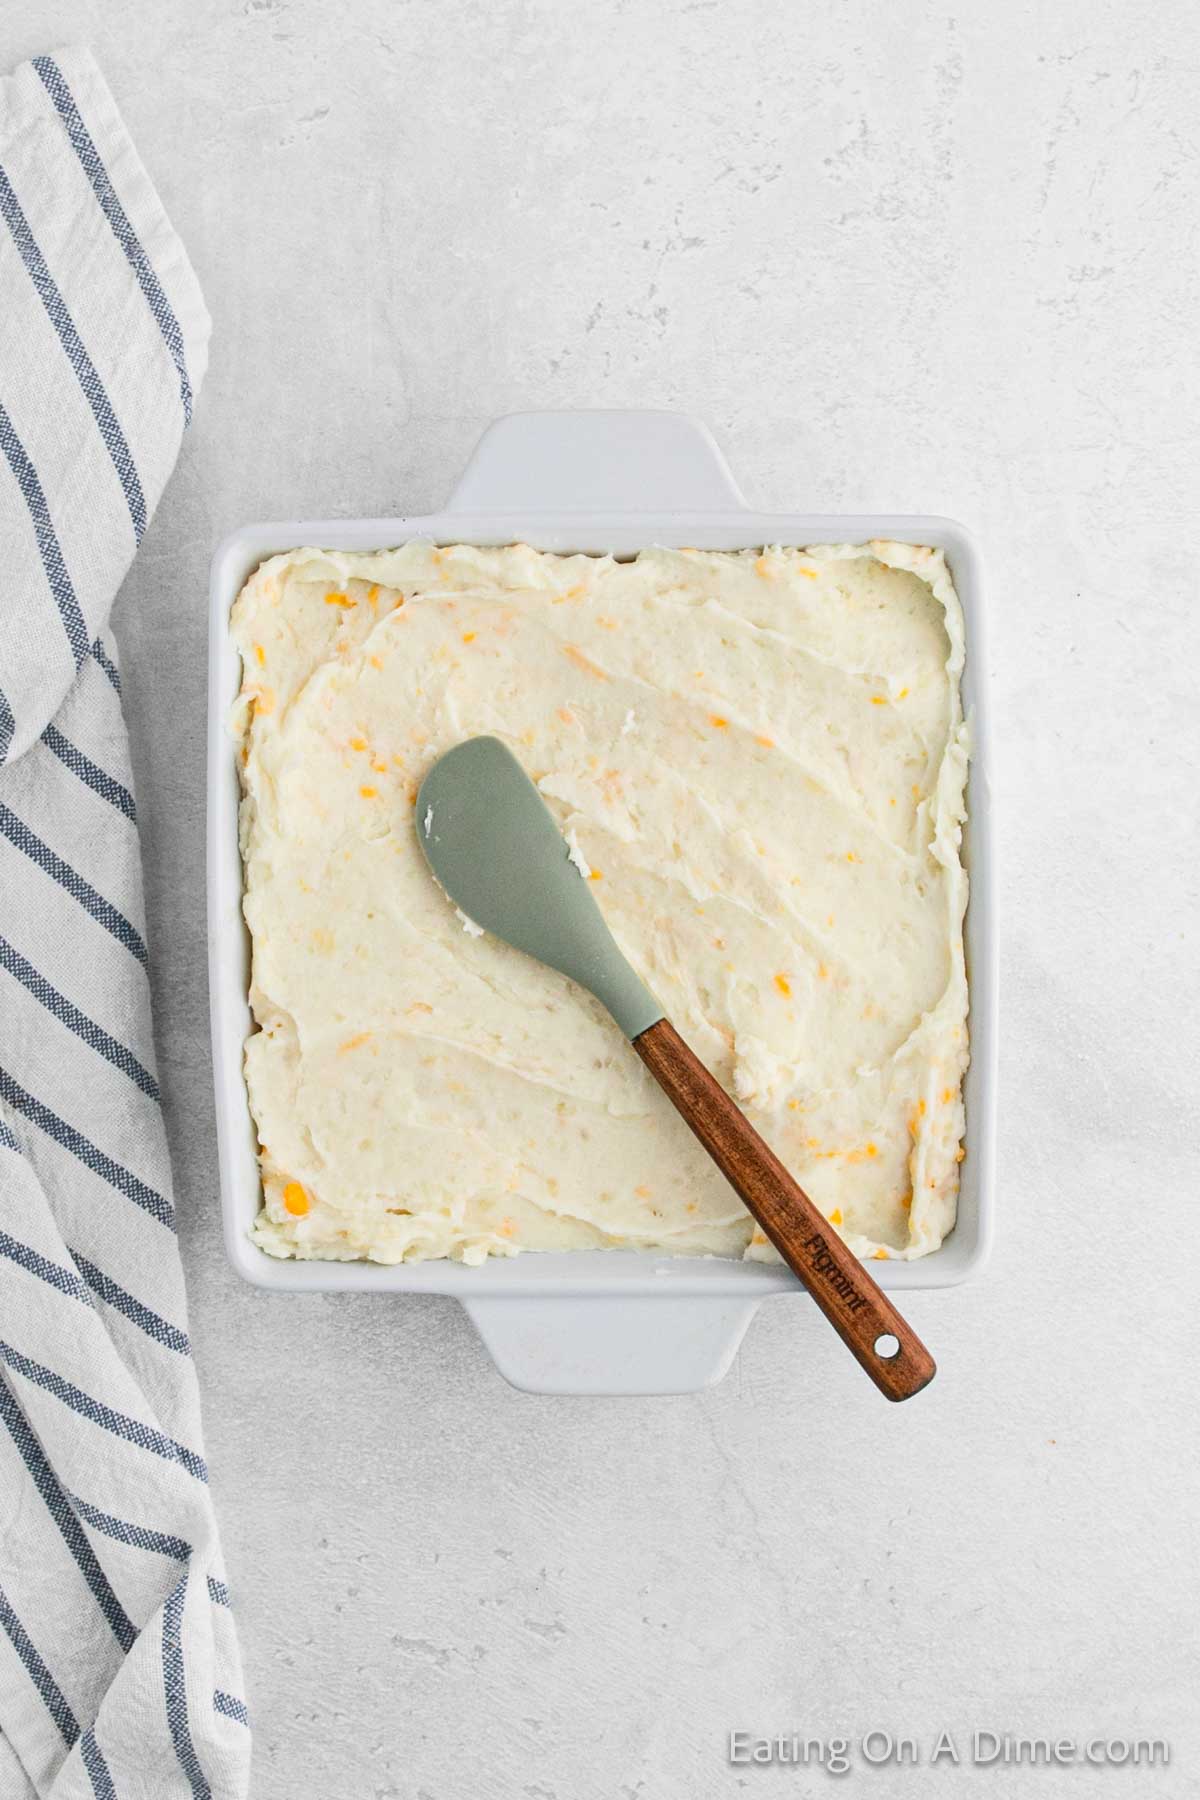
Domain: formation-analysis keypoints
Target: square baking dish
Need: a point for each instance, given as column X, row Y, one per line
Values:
column 612, row 1321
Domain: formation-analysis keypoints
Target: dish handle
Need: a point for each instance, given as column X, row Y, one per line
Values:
column 611, row 1344
column 587, row 462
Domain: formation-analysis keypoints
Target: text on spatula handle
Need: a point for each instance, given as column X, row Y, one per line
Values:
column 824, row 1262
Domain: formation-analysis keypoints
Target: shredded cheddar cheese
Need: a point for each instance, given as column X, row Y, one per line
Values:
column 574, row 654
column 295, row 1199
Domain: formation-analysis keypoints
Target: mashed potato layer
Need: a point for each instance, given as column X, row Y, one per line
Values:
column 760, row 763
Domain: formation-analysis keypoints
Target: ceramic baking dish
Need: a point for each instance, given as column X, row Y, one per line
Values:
column 587, row 1322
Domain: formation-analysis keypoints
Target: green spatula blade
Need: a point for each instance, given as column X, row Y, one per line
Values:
column 493, row 844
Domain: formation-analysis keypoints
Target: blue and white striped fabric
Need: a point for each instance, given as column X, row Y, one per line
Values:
column 119, row 1666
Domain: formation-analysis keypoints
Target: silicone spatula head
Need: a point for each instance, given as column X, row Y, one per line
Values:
column 494, row 846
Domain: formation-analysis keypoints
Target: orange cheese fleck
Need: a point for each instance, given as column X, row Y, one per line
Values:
column 468, row 637
column 295, row 1199
column 261, row 654
column 574, row 654
column 767, row 743
column 783, row 984
column 377, row 662
column 716, row 719
column 802, row 570
column 334, row 598
column 358, row 743
column 835, row 1217
column 368, row 793
column 363, row 1037
column 881, row 1255
column 878, row 700
column 595, row 875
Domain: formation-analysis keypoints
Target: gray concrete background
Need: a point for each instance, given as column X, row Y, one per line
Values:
column 912, row 256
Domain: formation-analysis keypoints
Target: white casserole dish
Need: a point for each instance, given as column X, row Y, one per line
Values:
column 587, row 1322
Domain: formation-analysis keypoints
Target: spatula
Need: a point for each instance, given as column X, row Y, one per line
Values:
column 494, row 846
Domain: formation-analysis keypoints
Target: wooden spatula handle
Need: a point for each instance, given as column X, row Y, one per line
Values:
column 857, row 1309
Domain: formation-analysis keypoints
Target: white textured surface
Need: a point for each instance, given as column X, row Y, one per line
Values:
column 909, row 256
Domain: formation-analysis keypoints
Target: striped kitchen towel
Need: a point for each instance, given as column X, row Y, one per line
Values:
column 119, row 1667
